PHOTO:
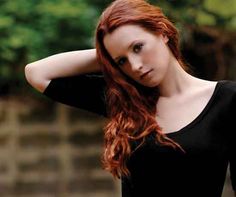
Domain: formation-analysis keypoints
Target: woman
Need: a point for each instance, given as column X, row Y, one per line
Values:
column 169, row 133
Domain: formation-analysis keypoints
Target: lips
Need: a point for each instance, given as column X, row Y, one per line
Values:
column 144, row 74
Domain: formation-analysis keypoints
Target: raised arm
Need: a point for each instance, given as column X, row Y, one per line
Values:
column 41, row 72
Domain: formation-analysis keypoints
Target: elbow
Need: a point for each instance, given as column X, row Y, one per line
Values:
column 28, row 73
column 33, row 77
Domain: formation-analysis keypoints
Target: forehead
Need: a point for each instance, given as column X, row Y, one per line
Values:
column 118, row 41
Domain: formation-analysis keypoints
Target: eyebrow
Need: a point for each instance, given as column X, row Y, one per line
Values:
column 132, row 43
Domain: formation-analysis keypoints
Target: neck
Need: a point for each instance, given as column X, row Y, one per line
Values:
column 177, row 81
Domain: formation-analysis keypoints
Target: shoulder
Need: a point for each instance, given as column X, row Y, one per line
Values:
column 227, row 93
column 231, row 84
column 227, row 87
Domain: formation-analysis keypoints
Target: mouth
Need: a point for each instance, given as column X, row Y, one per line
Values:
column 145, row 74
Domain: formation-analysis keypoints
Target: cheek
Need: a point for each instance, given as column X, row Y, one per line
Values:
column 151, row 57
column 157, row 56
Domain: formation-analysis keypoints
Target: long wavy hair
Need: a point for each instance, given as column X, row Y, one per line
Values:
column 131, row 107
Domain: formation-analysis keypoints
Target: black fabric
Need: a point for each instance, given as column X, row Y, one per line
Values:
column 82, row 91
column 159, row 171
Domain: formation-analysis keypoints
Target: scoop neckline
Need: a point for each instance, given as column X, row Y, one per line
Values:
column 201, row 114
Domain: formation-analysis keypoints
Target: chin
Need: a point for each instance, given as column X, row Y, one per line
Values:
column 150, row 84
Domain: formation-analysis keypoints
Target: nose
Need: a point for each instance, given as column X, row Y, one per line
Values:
column 135, row 63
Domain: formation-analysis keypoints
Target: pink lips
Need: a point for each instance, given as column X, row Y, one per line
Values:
column 144, row 74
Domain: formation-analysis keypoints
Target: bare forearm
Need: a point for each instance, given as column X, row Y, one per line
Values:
column 40, row 72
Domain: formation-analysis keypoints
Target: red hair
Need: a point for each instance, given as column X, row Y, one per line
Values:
column 131, row 106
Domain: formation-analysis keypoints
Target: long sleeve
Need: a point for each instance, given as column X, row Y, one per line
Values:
column 82, row 91
column 232, row 143
column 232, row 163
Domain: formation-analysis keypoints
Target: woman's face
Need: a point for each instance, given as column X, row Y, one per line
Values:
column 141, row 55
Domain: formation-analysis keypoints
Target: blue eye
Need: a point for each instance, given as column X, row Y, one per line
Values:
column 121, row 61
column 137, row 47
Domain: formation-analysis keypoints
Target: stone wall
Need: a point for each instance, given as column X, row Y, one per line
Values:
column 49, row 149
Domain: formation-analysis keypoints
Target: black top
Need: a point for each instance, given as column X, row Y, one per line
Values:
column 209, row 142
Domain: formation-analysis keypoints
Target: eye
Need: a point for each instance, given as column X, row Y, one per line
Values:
column 121, row 61
column 137, row 47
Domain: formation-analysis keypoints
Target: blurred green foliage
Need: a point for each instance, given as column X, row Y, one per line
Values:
column 30, row 30
column 33, row 29
column 221, row 14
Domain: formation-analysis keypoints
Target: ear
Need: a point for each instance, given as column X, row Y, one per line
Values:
column 165, row 38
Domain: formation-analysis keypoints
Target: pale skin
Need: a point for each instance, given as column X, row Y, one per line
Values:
column 181, row 95
column 41, row 72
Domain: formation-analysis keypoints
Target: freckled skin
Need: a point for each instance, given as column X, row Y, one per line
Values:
column 148, row 52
